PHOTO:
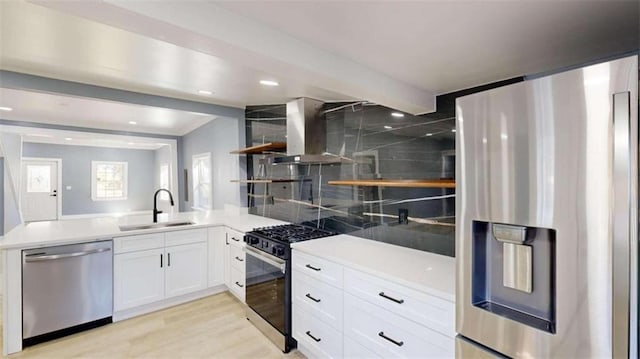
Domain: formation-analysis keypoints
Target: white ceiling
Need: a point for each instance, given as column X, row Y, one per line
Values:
column 395, row 53
column 92, row 113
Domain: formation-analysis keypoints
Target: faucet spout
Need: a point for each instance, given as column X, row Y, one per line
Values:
column 155, row 203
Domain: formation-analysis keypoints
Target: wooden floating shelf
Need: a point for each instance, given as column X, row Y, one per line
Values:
column 273, row 180
column 409, row 183
column 260, row 149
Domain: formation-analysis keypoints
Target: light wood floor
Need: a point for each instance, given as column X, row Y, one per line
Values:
column 213, row 327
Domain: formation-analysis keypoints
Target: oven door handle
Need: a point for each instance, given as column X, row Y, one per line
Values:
column 274, row 261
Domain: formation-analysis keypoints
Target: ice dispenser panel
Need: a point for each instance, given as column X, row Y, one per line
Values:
column 514, row 271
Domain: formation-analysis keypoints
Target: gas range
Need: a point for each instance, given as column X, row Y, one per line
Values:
column 276, row 240
column 268, row 278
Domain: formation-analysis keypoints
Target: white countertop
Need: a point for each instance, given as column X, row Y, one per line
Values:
column 427, row 272
column 48, row 233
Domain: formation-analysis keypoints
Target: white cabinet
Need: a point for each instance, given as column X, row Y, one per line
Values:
column 216, row 247
column 235, row 266
column 317, row 306
column 138, row 278
column 342, row 312
column 186, row 269
column 147, row 270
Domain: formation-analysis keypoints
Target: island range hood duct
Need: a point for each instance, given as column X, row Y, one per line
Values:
column 307, row 135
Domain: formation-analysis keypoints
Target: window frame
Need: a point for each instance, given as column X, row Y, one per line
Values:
column 206, row 156
column 125, row 180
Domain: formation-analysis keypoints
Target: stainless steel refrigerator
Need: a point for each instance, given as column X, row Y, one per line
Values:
column 547, row 214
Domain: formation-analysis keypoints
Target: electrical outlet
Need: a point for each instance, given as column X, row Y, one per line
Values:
column 403, row 216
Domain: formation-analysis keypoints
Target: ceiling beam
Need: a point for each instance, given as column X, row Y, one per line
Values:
column 214, row 30
column 16, row 80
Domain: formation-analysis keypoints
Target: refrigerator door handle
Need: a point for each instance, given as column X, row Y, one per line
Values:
column 622, row 215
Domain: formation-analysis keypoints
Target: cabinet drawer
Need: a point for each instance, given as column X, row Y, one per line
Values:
column 391, row 335
column 235, row 237
column 355, row 350
column 316, row 337
column 432, row 312
column 318, row 298
column 317, row 268
column 188, row 236
column 238, row 257
column 138, row 243
column 237, row 284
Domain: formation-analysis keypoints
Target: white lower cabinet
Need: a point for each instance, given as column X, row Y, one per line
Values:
column 234, row 263
column 144, row 275
column 369, row 317
column 186, row 270
column 355, row 350
column 138, row 278
column 316, row 338
column 391, row 335
column 216, row 247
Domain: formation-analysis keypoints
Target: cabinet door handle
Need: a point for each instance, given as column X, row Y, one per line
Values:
column 399, row 301
column 160, row 260
column 239, row 259
column 168, row 259
column 312, row 267
column 239, row 285
column 312, row 337
column 235, row 239
column 312, row 298
column 398, row 343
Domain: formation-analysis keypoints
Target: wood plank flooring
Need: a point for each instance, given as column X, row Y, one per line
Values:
column 212, row 327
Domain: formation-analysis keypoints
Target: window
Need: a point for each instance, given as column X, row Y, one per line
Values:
column 108, row 181
column 164, row 181
column 202, row 181
column 38, row 179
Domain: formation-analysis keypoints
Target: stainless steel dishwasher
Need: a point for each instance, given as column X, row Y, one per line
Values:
column 66, row 289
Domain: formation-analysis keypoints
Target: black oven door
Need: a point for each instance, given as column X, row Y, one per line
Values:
column 266, row 287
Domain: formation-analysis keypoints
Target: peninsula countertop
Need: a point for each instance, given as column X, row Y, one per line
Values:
column 50, row 233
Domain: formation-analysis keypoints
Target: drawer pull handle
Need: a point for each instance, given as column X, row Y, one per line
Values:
column 399, row 301
column 239, row 285
column 312, row 298
column 239, row 259
column 312, row 337
column 312, row 267
column 381, row 334
column 235, row 239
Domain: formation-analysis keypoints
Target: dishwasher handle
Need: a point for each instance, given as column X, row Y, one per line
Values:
column 50, row 257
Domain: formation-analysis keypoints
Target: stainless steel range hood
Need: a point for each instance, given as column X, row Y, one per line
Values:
column 307, row 135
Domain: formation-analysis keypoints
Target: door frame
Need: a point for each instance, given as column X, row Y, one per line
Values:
column 58, row 189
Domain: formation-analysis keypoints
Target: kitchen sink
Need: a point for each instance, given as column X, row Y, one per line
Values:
column 135, row 227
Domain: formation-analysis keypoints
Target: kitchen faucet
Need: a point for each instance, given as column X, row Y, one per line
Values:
column 155, row 203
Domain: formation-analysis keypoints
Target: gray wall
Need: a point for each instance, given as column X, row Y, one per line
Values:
column 219, row 137
column 1, row 196
column 76, row 172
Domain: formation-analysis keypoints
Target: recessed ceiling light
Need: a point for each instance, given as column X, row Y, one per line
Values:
column 130, row 143
column 133, row 123
column 6, row 109
column 269, row 83
column 205, row 92
column 397, row 114
column 388, row 127
column 429, row 134
column 68, row 138
column 453, row 130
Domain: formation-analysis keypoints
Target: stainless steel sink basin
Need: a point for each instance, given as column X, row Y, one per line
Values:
column 135, row 227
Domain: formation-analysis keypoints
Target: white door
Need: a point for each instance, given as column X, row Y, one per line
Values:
column 186, row 269
column 39, row 197
column 138, row 278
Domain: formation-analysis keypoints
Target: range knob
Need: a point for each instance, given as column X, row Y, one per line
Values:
column 280, row 251
column 273, row 250
column 254, row 240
